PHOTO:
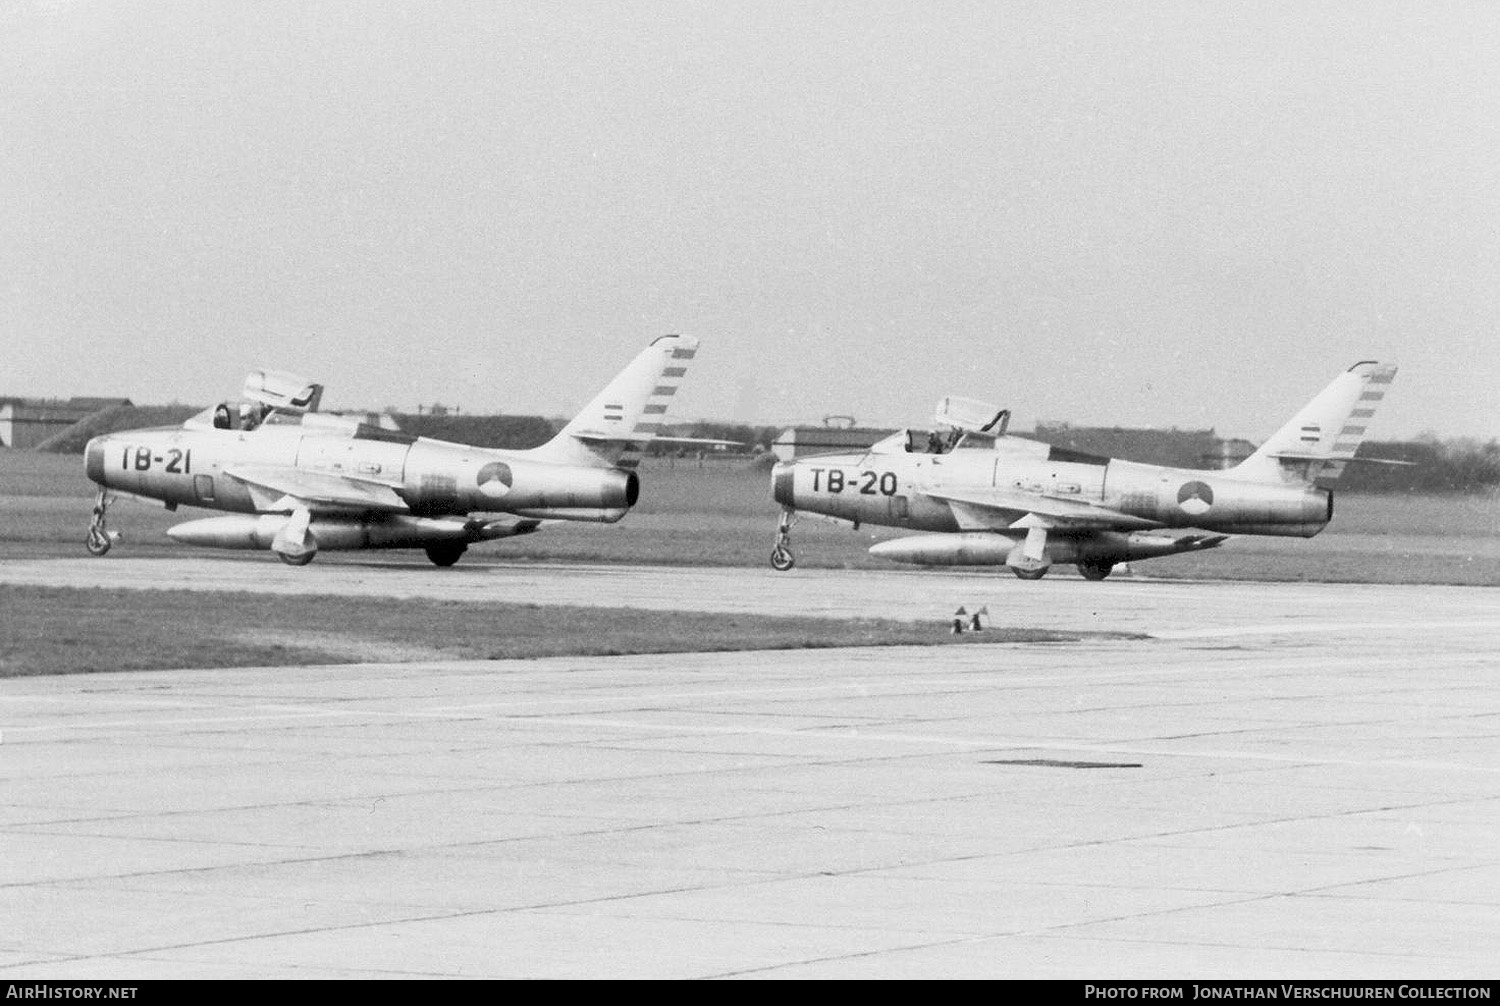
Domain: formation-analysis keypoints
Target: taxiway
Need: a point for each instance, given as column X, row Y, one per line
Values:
column 1285, row 781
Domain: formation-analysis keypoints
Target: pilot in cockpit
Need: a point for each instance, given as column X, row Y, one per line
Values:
column 932, row 442
column 252, row 414
column 240, row 416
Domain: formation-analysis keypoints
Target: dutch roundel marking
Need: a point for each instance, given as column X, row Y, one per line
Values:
column 495, row 479
column 1195, row 498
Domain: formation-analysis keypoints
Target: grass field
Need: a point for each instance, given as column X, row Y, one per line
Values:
column 46, row 630
column 721, row 514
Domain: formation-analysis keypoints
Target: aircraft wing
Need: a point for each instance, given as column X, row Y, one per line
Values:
column 993, row 509
column 269, row 484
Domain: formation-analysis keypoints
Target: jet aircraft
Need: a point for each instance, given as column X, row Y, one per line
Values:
column 296, row 480
column 1005, row 500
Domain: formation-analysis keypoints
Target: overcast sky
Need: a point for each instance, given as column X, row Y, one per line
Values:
column 1142, row 213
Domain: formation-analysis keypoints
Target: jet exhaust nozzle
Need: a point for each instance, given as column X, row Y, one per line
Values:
column 516, row 486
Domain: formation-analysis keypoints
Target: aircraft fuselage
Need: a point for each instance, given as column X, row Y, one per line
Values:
column 291, row 479
column 904, row 490
column 181, row 466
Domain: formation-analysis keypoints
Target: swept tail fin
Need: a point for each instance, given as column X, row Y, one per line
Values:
column 613, row 429
column 1321, row 439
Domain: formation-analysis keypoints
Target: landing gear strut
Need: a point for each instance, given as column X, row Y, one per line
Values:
column 1028, row 560
column 100, row 537
column 781, row 556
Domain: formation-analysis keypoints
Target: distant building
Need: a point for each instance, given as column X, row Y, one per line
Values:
column 1173, row 448
column 1231, row 452
column 26, row 422
column 800, row 441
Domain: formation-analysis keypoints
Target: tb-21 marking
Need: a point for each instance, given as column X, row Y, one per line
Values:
column 178, row 462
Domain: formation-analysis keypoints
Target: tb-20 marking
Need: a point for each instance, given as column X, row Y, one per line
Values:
column 139, row 458
column 869, row 483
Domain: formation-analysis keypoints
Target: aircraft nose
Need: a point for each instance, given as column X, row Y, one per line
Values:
column 781, row 483
column 93, row 458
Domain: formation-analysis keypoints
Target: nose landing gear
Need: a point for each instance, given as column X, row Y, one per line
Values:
column 781, row 556
column 100, row 537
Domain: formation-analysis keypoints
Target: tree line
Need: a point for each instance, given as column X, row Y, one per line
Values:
column 1433, row 465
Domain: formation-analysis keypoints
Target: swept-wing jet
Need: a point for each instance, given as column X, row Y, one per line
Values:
column 1005, row 500
column 296, row 480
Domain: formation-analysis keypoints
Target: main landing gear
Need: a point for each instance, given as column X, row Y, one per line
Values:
column 446, row 553
column 1096, row 570
column 781, row 556
column 100, row 537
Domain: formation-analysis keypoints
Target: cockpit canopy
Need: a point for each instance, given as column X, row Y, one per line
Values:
column 972, row 416
column 265, row 393
column 963, row 422
column 913, row 442
column 281, row 389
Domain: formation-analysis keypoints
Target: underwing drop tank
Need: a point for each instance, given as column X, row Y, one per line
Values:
column 247, row 531
column 988, row 548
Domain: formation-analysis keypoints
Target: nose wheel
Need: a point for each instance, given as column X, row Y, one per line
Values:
column 100, row 537
column 781, row 555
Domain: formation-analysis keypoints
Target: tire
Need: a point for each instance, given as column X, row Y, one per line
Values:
column 1031, row 574
column 446, row 554
column 1095, row 570
column 782, row 559
column 296, row 560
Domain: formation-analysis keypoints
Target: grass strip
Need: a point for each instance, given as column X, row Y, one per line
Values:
column 57, row 630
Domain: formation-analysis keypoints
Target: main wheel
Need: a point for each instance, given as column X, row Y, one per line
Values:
column 98, row 542
column 1094, row 570
column 296, row 560
column 782, row 559
column 447, row 553
column 1030, row 574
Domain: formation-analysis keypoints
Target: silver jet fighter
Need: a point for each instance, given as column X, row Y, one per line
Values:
column 296, row 480
column 1005, row 500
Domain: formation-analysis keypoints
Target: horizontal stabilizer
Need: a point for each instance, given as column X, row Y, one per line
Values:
column 1293, row 456
column 703, row 441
